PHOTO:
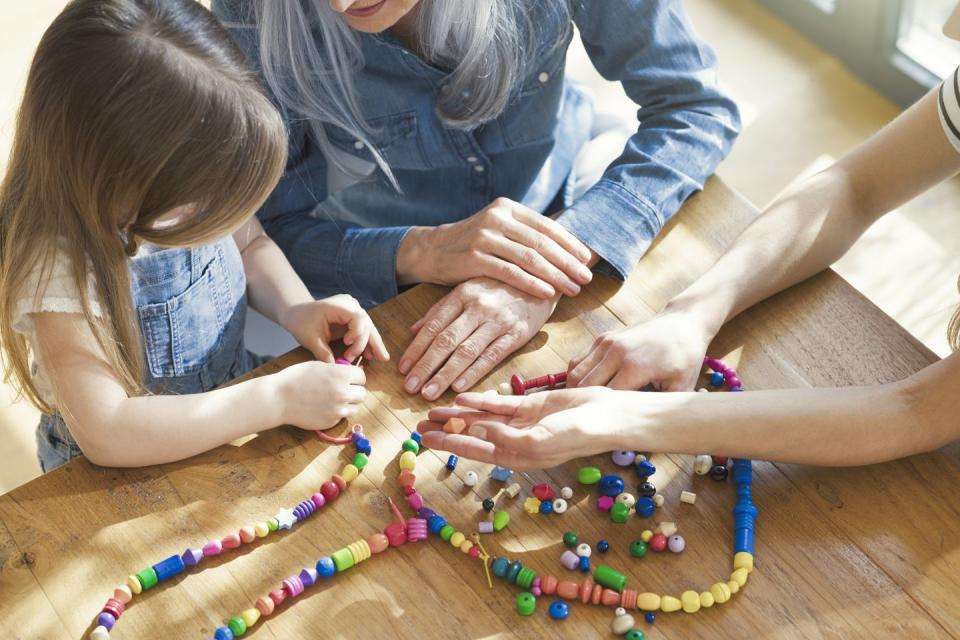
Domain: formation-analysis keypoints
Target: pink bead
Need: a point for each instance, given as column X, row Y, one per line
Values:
column 377, row 543
column 604, row 503
column 415, row 500
column 278, row 596
column 122, row 594
column 536, row 591
column 212, row 548
column 293, row 586
column 396, row 533
column 318, row 500
column 231, row 541
column 342, row 361
column 247, row 534
column 474, row 552
column 416, row 529
column 733, row 382
column 265, row 606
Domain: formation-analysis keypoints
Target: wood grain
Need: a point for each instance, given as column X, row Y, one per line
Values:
column 841, row 552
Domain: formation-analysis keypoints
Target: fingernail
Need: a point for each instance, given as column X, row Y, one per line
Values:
column 585, row 274
column 572, row 289
column 459, row 385
column 404, row 366
column 431, row 390
column 412, row 384
column 477, row 431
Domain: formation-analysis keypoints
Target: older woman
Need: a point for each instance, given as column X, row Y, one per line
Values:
column 428, row 137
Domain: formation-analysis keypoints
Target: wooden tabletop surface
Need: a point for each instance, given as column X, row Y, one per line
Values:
column 868, row 552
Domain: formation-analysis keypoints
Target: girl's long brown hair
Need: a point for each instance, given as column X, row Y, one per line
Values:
column 953, row 329
column 132, row 108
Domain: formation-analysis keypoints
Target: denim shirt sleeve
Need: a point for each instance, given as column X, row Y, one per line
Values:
column 330, row 256
column 687, row 125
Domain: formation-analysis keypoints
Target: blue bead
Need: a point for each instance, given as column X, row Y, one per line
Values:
column 513, row 571
column 223, row 633
column 501, row 474
column 499, row 566
column 363, row 446
column 585, row 563
column 546, row 507
column 645, row 507
column 326, row 567
column 716, row 378
column 559, row 610
column 650, row 617
column 645, row 469
column 452, row 462
column 168, row 568
column 603, row 546
column 436, row 523
column 416, row 437
column 611, row 485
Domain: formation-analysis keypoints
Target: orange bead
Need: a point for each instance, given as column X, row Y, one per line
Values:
column 548, row 584
column 586, row 590
column 609, row 597
column 628, row 600
column 378, row 542
column 567, row 589
column 265, row 606
column 123, row 594
column 407, row 478
column 340, row 482
column 247, row 534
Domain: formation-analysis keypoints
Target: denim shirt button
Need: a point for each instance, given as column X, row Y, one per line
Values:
column 479, row 168
column 472, row 159
column 543, row 77
column 358, row 145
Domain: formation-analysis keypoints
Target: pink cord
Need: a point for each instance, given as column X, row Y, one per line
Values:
column 357, row 428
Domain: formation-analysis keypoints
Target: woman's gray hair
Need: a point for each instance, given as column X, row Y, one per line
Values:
column 486, row 45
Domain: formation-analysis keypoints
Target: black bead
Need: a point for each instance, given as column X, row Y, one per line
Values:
column 647, row 489
column 488, row 504
column 719, row 472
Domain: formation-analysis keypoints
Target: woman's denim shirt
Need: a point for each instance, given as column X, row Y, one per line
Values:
column 348, row 241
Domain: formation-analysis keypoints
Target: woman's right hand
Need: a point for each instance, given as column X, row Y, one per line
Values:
column 665, row 352
column 505, row 241
column 316, row 395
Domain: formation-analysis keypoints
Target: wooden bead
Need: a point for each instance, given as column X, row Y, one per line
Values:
column 407, row 478
column 339, row 481
column 247, row 534
column 568, row 590
column 123, row 594
column 609, row 597
column 408, row 460
column 350, row 472
column 688, row 496
column 739, row 576
column 586, row 590
column 454, row 425
column 702, row 465
column 743, row 560
column 250, row 616
column 622, row 623
column 466, row 546
column 690, row 601
column 531, row 506
column 669, row 603
column 667, row 528
column 648, row 601
column 231, row 541
column 597, row 595
column 261, row 529
column 134, row 583
column 457, row 539
column 706, row 599
column 646, row 535
column 265, row 606
column 549, row 585
column 720, row 592
column 628, row 599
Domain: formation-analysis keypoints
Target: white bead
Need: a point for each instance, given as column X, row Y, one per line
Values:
column 667, row 528
column 688, row 496
column 513, row 490
column 566, row 493
column 640, row 458
column 470, row 478
column 658, row 499
column 622, row 623
column 627, row 499
column 100, row 633
column 584, row 550
column 703, row 390
column 505, row 389
column 619, row 611
column 702, row 465
column 559, row 505
column 472, row 159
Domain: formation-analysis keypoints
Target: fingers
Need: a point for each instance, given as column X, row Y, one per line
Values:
column 546, row 247
column 531, row 262
column 585, row 365
column 321, row 351
column 444, row 344
column 493, row 355
column 440, row 315
column 354, row 394
column 465, row 354
column 490, row 403
column 490, row 442
column 631, row 381
column 511, row 274
column 554, row 230
column 377, row 349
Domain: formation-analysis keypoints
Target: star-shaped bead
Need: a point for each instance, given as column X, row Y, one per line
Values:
column 285, row 518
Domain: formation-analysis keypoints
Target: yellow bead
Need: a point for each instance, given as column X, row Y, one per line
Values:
column 350, row 473
column 408, row 460
column 669, row 603
column 457, row 538
column 134, row 583
column 739, row 576
column 646, row 535
column 465, row 546
column 250, row 616
column 733, row 586
column 690, row 601
column 261, row 529
column 531, row 505
column 721, row 592
column 743, row 560
column 648, row 601
column 706, row 599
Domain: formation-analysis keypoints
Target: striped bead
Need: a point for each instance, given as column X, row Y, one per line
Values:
column 293, row 586
column 359, row 551
column 416, row 529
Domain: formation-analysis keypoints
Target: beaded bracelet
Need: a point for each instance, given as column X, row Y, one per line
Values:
column 284, row 519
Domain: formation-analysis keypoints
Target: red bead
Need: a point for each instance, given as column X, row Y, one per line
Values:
column 330, row 490
column 231, row 541
column 407, row 478
column 719, row 459
column 278, row 596
column 474, row 551
column 658, row 542
column 410, row 490
column 544, row 492
column 396, row 533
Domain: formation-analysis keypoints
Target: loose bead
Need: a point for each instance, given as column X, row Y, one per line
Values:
column 100, row 633
column 669, row 604
column 559, row 610
column 350, row 472
column 411, row 446
column 603, row 546
column 650, row 617
column 676, row 543
column 122, row 594
column 513, row 490
column 326, row 567
column 647, row 489
column 604, row 503
column 470, row 478
column 690, row 601
column 500, row 474
column 566, row 493
column 658, row 499
column 559, row 505
column 570, row 539
column 212, row 548
column 644, row 469
column 377, row 543
column 589, row 475
column 408, row 460
column 702, row 465
column 688, row 496
column 627, row 499
column 452, row 462
column 623, row 458
column 622, row 623
column 645, row 535
column 526, row 603
column 635, row 634
column 667, row 528
column 619, row 513
column 584, row 563
column 583, row 549
column 569, row 560
column 237, row 625
column 500, row 520
column 610, row 578
column 645, row 507
column 719, row 472
column 648, row 601
column 485, row 526
column 544, row 491
column 265, row 606
column 638, row 548
column 611, row 485
column 546, row 507
column 658, row 542
column 706, row 599
column 134, row 583
column 531, row 506
column 488, row 504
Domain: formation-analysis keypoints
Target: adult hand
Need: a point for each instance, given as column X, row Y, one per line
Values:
column 665, row 352
column 505, row 241
column 537, row 431
column 467, row 333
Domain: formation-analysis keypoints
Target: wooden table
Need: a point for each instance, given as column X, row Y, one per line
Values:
column 869, row 552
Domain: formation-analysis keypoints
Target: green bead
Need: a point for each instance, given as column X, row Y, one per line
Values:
column 410, row 445
column 360, row 460
column 446, row 532
column 570, row 539
column 526, row 603
column 273, row 524
column 635, row 634
column 619, row 512
column 589, row 475
column 238, row 626
column 342, row 559
column 638, row 548
column 610, row 578
column 526, row 577
column 513, row 571
column 147, row 578
column 500, row 520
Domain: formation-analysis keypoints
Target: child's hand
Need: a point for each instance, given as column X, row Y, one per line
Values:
column 537, row 431
column 317, row 395
column 666, row 352
column 316, row 324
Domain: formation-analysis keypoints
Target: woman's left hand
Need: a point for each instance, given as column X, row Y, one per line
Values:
column 316, row 324
column 537, row 431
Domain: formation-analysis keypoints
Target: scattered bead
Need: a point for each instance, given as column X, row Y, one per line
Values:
column 667, row 528
column 526, row 603
column 546, row 507
column 603, row 546
column 622, row 623
column 650, row 617
column 611, row 485
column 584, row 563
column 623, row 458
column 531, row 505
column 719, row 472
column 645, row 535
column 658, row 542
column 513, row 490
column 566, row 493
column 645, row 507
column 702, row 464
column 627, row 499
column 559, row 505
column 604, row 503
column 570, row 539
column 645, row 469
column 688, row 496
column 488, row 504
column 634, row 634
column 676, row 543
column 559, row 610
column 588, row 475
column 485, row 526
column 610, row 578
column 658, row 499
column 500, row 520
column 647, row 489
column 470, row 478
column 638, row 548
column 619, row 513
column 500, row 474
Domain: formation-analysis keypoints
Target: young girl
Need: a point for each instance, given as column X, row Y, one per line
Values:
column 798, row 236
column 143, row 142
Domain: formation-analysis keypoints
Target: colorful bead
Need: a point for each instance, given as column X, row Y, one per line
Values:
column 500, row 474
column 635, row 634
column 676, row 543
column 569, row 560
column 546, row 507
column 250, row 617
column 583, row 550
column 212, row 548
column 101, row 633
column 610, row 578
column 499, row 566
column 513, row 570
column 134, row 583
column 454, row 425
column 690, row 601
column 619, row 513
column 667, row 528
column 526, row 577
column 648, row 601
column 237, row 626
column 650, row 617
column 500, row 520
column 720, row 592
column 544, row 491
column 285, row 517
column 588, row 475
column 638, row 548
column 408, row 460
column 147, row 578
column 362, row 445
column 106, row 620
column 716, row 378
column 645, row 507
column 645, row 535
column 570, row 539
column 611, row 485
column 743, row 560
column 622, row 623
column 223, row 633
column 531, row 505
column 627, row 499
column 123, row 593
column 166, row 569
column 485, row 526
column 513, row 490
column 326, row 567
column 470, row 478
column 706, row 599
column 378, row 543
column 273, row 524
column 410, row 445
column 343, row 559
column 604, row 503
column 192, row 557
column 452, row 462
column 265, row 606
column 658, row 542
column 658, row 499
column 583, row 563
column 669, row 604
column 603, row 546
column 488, row 504
column 623, row 458
column 721, row 460
column 559, row 610
column 645, row 469
column 457, row 539
column 526, row 603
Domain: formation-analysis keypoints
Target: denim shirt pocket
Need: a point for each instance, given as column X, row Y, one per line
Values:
column 535, row 107
column 182, row 331
column 394, row 136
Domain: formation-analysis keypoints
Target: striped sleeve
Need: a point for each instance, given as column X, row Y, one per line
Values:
column 948, row 105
